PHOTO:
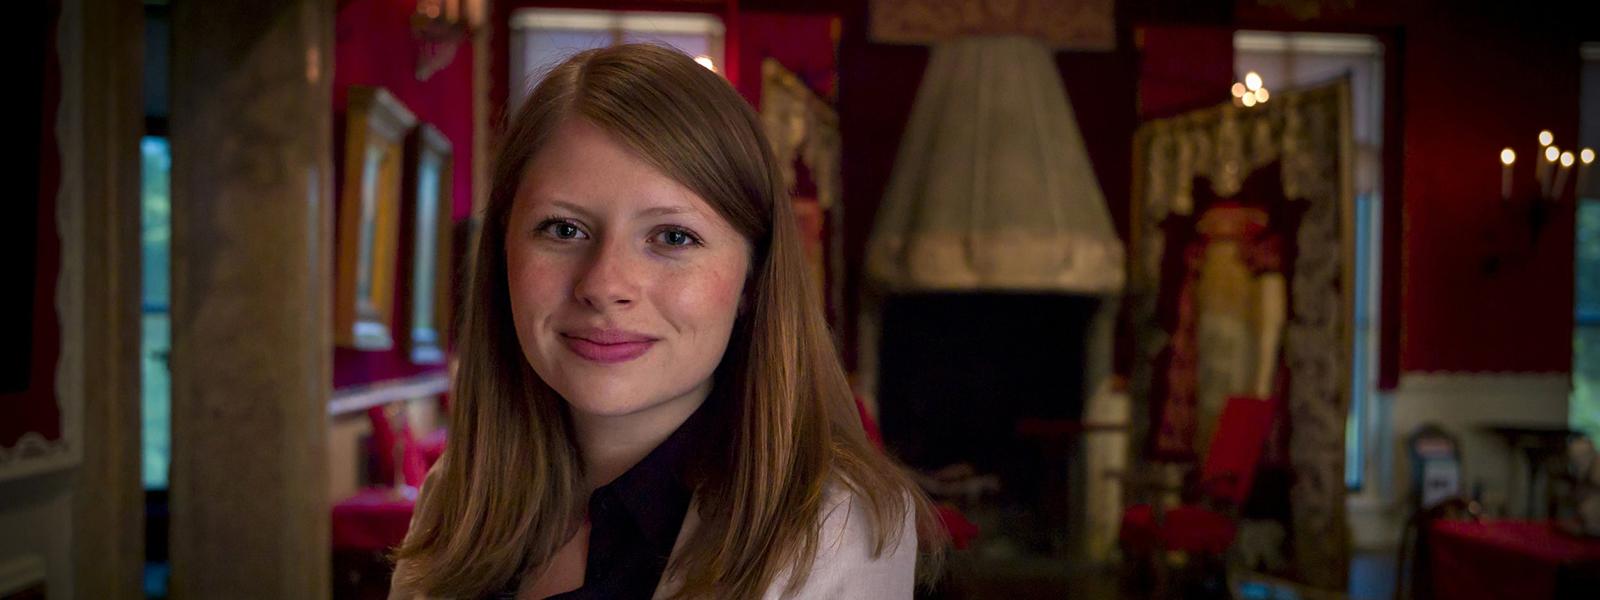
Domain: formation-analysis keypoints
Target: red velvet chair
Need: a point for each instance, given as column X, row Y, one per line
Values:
column 391, row 448
column 1206, row 523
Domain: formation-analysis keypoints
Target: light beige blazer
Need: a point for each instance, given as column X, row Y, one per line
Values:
column 843, row 569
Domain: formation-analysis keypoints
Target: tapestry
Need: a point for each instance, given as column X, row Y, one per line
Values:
column 1240, row 283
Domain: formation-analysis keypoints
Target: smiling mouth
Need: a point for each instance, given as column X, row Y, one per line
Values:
column 607, row 349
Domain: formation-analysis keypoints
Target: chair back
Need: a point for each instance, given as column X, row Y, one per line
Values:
column 1435, row 465
column 1236, row 447
column 393, row 451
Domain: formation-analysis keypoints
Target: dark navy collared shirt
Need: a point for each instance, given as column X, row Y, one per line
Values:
column 634, row 520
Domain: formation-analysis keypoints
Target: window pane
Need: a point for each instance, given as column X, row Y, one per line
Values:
column 1588, row 261
column 535, row 51
column 542, row 37
column 690, row 44
column 156, row 338
column 1584, row 407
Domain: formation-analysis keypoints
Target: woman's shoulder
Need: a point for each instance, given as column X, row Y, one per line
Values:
column 848, row 518
column 849, row 562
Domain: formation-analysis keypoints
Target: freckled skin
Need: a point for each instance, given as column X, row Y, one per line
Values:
column 598, row 238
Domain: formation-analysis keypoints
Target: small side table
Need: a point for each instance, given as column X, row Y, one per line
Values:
column 1537, row 445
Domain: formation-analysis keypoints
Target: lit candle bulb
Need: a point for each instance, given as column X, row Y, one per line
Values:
column 1561, row 177
column 1507, row 157
column 1547, row 168
column 1546, row 138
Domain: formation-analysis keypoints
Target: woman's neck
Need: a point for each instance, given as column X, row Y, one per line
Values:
column 611, row 445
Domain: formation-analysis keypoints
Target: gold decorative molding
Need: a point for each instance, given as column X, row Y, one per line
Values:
column 800, row 124
column 1061, row 24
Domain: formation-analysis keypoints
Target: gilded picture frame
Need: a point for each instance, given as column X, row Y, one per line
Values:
column 428, row 228
column 376, row 125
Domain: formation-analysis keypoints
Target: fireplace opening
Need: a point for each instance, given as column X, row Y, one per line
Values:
column 983, row 394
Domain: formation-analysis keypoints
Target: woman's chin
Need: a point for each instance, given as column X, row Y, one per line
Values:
column 600, row 403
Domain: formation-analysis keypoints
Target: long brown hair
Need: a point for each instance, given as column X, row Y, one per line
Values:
column 508, row 491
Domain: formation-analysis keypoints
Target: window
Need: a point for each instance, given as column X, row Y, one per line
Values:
column 542, row 37
column 156, row 337
column 1583, row 409
column 1295, row 60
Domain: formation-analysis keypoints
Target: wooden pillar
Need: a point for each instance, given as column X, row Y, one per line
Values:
column 251, row 355
column 109, row 503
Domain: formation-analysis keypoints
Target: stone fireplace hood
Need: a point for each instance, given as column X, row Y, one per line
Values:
column 992, row 189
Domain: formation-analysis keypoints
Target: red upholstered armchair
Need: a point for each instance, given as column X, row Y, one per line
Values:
column 1205, row 523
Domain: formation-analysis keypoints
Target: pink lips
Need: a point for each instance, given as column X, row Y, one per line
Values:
column 607, row 345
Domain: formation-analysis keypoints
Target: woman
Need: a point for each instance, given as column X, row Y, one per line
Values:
column 649, row 403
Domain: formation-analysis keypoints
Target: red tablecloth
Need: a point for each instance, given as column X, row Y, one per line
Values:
column 375, row 519
column 1525, row 560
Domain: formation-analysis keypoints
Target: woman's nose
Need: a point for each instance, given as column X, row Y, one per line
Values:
column 610, row 277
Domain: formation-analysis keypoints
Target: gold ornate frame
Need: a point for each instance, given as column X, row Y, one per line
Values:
column 427, row 226
column 375, row 129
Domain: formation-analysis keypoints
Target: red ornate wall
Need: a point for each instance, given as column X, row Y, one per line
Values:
column 374, row 46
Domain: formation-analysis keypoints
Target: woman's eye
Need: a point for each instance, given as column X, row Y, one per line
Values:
column 562, row 230
column 677, row 238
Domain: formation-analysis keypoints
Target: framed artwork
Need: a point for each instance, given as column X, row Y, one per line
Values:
column 427, row 228
column 376, row 125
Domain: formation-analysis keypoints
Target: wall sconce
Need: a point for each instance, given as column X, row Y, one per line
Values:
column 1251, row 92
column 440, row 25
column 1552, row 168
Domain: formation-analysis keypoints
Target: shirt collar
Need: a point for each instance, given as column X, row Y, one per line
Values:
column 656, row 491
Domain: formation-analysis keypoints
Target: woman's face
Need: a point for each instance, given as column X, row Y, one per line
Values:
column 624, row 284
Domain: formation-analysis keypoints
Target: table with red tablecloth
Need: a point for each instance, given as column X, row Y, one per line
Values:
column 1526, row 560
column 375, row 519
column 367, row 527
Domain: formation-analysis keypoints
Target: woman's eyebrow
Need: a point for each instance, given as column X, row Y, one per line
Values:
column 659, row 211
column 654, row 211
column 582, row 212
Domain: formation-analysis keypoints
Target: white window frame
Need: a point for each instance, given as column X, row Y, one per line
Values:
column 618, row 24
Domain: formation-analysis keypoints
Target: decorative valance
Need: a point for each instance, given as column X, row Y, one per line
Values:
column 1060, row 24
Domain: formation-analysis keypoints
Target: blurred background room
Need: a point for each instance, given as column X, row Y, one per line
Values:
column 1255, row 299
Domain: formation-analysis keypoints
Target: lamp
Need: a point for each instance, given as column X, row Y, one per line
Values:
column 1251, row 92
column 440, row 25
column 1552, row 168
